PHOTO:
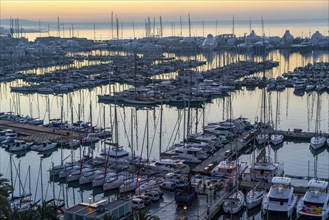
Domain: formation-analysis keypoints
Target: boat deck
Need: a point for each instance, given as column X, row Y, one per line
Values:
column 37, row 134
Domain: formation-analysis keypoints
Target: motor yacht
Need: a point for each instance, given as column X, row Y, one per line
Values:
column 281, row 197
column 315, row 202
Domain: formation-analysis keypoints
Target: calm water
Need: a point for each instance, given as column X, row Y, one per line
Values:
column 103, row 31
column 294, row 112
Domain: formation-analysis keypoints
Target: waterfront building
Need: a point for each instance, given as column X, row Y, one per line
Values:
column 86, row 211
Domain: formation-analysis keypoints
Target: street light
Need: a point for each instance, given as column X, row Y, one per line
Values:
column 184, row 217
column 90, row 198
column 185, row 208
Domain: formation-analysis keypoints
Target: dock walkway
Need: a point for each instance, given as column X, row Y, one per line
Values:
column 299, row 135
column 37, row 134
column 236, row 145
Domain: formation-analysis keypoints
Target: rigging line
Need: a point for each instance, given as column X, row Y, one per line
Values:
column 154, row 134
column 36, row 186
column 17, row 176
column 47, row 190
column 144, row 137
column 125, row 131
column 176, row 126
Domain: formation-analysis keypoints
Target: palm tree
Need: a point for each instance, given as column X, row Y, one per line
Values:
column 143, row 215
column 48, row 211
column 109, row 217
column 5, row 189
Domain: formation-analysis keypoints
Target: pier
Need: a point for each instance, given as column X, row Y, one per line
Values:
column 299, row 135
column 37, row 134
column 236, row 146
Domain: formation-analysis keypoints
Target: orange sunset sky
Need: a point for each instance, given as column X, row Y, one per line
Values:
column 88, row 10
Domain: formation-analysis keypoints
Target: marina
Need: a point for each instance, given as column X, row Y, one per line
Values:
column 167, row 125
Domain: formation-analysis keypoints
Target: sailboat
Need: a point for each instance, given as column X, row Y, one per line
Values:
column 263, row 137
column 276, row 139
column 234, row 203
column 254, row 197
column 318, row 141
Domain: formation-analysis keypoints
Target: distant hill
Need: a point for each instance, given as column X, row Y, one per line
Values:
column 24, row 22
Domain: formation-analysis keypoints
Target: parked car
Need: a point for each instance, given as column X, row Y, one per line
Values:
column 158, row 191
column 153, row 195
column 147, row 200
column 179, row 184
column 228, row 154
column 138, row 203
column 173, row 176
column 168, row 185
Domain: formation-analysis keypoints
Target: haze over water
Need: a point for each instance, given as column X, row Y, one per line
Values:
column 129, row 30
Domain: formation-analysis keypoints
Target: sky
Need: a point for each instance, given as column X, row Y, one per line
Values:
column 134, row 10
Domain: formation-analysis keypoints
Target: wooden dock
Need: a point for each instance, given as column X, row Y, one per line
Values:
column 299, row 135
column 236, row 146
column 37, row 134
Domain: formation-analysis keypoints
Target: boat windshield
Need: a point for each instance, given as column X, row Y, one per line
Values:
column 310, row 204
column 278, row 199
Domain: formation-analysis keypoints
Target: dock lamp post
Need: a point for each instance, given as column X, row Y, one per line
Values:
column 90, row 198
column 185, row 208
column 184, row 217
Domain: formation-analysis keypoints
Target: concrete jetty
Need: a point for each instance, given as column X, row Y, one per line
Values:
column 37, row 134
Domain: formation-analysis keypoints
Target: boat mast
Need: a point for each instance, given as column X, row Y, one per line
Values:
column 132, row 132
column 30, row 189
column 161, row 30
column 160, row 134
column 189, row 25
column 112, row 24
column 263, row 89
column 116, row 135
column 181, row 26
column 41, row 182
column 11, row 175
column 134, row 30
column 147, row 136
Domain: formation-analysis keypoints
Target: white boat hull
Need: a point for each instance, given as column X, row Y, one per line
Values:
column 262, row 138
column 113, row 185
column 318, row 142
column 277, row 207
column 320, row 214
column 234, row 203
column 254, row 198
column 277, row 139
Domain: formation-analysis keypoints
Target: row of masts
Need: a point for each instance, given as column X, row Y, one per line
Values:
column 16, row 29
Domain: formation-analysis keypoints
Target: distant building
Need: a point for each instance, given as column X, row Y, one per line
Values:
column 252, row 38
column 317, row 36
column 118, row 209
column 287, row 38
column 224, row 39
column 209, row 42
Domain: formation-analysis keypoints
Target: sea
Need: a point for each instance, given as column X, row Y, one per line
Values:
column 30, row 169
column 108, row 30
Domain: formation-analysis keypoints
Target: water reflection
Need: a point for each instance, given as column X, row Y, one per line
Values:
column 82, row 104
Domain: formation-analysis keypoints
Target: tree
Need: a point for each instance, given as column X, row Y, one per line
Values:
column 143, row 215
column 48, row 211
column 5, row 189
column 109, row 217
